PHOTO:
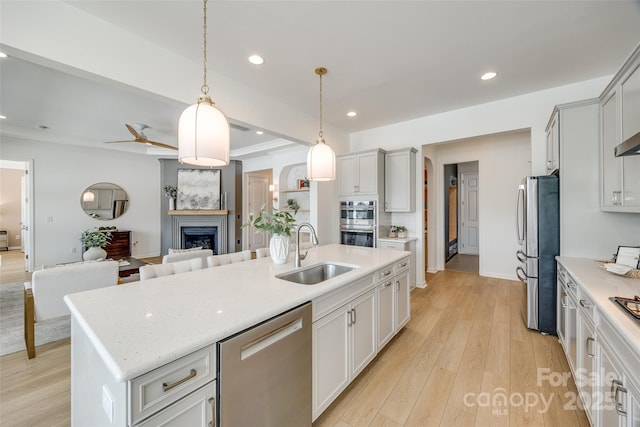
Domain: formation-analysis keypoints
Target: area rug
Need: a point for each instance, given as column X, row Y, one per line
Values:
column 12, row 322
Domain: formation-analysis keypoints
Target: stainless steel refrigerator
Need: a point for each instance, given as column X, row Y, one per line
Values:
column 538, row 231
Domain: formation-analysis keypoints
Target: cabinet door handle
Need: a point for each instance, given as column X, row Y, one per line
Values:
column 592, row 354
column 166, row 387
column 585, row 303
column 563, row 303
column 212, row 402
column 355, row 318
column 619, row 389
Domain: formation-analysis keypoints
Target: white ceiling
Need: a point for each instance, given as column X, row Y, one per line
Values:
column 388, row 60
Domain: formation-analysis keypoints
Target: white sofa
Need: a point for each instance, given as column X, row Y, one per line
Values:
column 43, row 296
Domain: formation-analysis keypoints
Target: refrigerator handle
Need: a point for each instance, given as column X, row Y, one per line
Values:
column 519, row 207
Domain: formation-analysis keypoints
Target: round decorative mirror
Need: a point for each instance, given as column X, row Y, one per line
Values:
column 104, row 201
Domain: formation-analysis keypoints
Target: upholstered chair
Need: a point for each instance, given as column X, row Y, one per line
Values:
column 43, row 296
column 151, row 271
column 216, row 260
column 181, row 255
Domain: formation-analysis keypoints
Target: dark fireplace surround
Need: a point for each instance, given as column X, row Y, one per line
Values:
column 200, row 230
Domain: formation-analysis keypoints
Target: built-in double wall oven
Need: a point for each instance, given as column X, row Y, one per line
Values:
column 358, row 223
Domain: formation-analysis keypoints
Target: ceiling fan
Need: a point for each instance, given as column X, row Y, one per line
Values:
column 139, row 136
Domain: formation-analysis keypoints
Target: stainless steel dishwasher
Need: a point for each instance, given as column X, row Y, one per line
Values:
column 264, row 373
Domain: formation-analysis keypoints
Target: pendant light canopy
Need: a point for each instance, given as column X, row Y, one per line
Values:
column 203, row 130
column 321, row 160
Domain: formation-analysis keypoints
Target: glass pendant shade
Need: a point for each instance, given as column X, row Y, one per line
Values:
column 321, row 162
column 88, row 196
column 203, row 135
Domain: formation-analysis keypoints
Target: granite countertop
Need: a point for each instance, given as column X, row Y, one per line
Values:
column 140, row 326
column 600, row 285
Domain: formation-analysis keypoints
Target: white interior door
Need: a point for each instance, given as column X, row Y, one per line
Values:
column 258, row 196
column 469, row 240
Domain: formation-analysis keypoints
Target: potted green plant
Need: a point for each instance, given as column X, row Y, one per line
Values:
column 95, row 240
column 293, row 205
column 401, row 230
column 277, row 223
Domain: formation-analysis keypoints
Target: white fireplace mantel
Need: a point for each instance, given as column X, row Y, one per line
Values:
column 194, row 218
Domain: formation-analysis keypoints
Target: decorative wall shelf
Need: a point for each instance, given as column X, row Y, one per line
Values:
column 294, row 190
column 198, row 212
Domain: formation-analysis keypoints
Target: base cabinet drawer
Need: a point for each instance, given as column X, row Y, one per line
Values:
column 166, row 385
column 194, row 410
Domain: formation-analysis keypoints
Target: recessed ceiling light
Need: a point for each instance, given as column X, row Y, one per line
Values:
column 259, row 132
column 352, row 114
column 256, row 59
column 2, row 117
column 488, row 76
column 3, row 55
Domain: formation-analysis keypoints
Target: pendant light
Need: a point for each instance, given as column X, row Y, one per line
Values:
column 203, row 130
column 321, row 160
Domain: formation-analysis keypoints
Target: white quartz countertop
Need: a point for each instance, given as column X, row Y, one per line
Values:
column 397, row 239
column 140, row 326
column 600, row 285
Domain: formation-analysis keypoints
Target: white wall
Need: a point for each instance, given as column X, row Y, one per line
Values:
column 62, row 172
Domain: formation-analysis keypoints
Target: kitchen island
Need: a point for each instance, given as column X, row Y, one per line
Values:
column 122, row 333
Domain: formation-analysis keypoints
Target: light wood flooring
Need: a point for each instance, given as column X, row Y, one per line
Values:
column 12, row 267
column 463, row 262
column 465, row 342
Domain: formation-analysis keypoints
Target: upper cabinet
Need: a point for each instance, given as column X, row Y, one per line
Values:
column 620, row 119
column 361, row 173
column 553, row 144
column 400, row 180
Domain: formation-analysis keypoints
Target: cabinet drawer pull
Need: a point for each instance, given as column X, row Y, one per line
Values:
column 166, row 387
column 619, row 406
column 586, row 303
column 212, row 402
column 592, row 354
column 404, row 264
column 386, row 273
column 386, row 285
column 571, row 285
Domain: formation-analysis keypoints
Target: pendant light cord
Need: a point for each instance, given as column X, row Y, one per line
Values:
column 205, row 87
column 320, row 106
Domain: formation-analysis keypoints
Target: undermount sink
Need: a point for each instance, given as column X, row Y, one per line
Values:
column 316, row 273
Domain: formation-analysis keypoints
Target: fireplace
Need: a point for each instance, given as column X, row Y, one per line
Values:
column 204, row 237
column 208, row 231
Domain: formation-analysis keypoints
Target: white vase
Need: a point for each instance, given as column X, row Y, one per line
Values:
column 94, row 254
column 172, row 203
column 279, row 248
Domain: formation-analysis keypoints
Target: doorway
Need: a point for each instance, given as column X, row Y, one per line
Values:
column 257, row 195
column 462, row 245
column 17, row 209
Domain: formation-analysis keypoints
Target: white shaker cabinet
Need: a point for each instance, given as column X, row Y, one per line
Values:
column 343, row 344
column 393, row 300
column 400, row 180
column 196, row 410
column 361, row 173
column 619, row 112
column 553, row 143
